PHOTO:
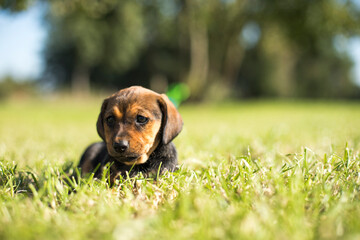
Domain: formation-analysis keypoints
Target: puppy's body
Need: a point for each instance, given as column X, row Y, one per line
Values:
column 96, row 156
column 137, row 126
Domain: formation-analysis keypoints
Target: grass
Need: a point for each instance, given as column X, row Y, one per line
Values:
column 251, row 170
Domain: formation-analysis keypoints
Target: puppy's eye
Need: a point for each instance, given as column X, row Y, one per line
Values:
column 110, row 121
column 141, row 119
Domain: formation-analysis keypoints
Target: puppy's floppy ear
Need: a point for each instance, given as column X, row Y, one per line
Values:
column 171, row 121
column 100, row 121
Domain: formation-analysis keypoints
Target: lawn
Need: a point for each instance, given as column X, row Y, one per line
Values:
column 248, row 170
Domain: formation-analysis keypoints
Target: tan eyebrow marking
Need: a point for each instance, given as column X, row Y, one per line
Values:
column 117, row 112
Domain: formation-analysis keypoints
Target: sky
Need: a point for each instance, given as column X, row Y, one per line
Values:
column 354, row 51
column 23, row 36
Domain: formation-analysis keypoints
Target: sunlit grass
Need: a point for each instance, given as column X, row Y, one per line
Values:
column 250, row 170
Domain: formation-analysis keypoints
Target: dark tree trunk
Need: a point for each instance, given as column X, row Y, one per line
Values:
column 80, row 82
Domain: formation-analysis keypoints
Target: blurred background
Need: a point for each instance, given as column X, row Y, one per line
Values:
column 196, row 50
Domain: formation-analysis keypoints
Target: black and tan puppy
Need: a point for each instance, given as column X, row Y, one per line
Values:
column 137, row 126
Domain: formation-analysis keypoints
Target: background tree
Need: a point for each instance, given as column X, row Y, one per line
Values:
column 15, row 5
column 299, row 37
column 219, row 48
column 91, row 37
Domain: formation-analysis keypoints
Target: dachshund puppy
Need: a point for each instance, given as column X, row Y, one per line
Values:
column 137, row 126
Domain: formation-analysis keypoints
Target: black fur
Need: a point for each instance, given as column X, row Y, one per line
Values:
column 164, row 158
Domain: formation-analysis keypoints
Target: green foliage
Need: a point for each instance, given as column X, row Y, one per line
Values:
column 106, row 35
column 108, row 32
column 253, row 170
column 15, row 5
column 218, row 48
column 309, row 28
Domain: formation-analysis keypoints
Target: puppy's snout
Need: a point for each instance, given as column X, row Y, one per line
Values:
column 121, row 146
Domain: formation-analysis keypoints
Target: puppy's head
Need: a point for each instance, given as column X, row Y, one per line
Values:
column 134, row 121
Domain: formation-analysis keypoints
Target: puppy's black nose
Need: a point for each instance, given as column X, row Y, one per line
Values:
column 121, row 146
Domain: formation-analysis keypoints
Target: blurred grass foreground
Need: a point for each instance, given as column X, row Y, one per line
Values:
column 250, row 170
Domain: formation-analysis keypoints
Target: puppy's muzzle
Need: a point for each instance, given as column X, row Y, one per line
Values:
column 121, row 146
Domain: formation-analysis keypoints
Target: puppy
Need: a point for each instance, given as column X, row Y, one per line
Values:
column 137, row 126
